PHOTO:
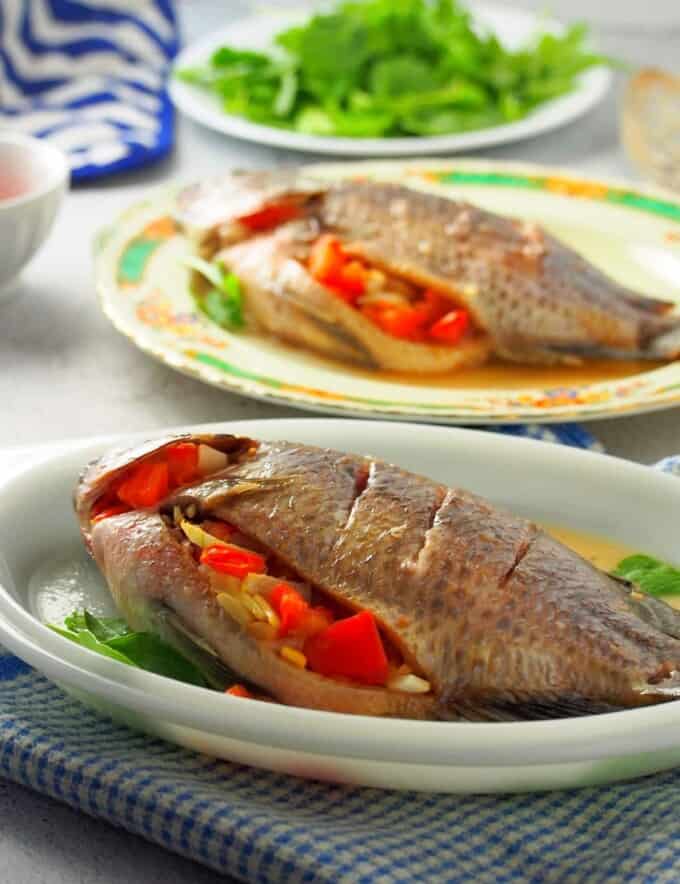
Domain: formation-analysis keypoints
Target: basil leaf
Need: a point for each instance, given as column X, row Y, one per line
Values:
column 87, row 640
column 650, row 574
column 148, row 652
column 224, row 302
column 210, row 271
column 103, row 628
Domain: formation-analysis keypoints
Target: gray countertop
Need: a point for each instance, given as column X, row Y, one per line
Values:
column 65, row 373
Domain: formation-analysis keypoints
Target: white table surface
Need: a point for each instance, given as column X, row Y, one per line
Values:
column 65, row 373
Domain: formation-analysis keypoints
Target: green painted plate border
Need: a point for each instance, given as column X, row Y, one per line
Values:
column 636, row 394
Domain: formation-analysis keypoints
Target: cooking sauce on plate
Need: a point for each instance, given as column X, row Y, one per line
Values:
column 512, row 376
column 602, row 552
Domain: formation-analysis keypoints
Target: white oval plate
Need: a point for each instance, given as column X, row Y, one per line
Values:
column 630, row 233
column 512, row 26
column 582, row 490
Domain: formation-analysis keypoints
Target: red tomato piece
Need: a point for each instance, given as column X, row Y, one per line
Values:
column 239, row 690
column 401, row 322
column 232, row 560
column 145, row 486
column 437, row 304
column 270, row 216
column 326, row 257
column 291, row 607
column 182, row 459
column 316, row 620
column 451, row 327
column 350, row 648
column 104, row 512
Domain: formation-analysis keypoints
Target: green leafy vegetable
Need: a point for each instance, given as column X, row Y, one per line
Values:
column 223, row 303
column 147, row 651
column 651, row 575
column 377, row 68
column 103, row 628
column 112, row 637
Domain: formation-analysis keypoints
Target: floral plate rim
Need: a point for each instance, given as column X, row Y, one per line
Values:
column 647, row 391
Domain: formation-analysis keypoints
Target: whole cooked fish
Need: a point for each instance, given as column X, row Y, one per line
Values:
column 480, row 614
column 527, row 296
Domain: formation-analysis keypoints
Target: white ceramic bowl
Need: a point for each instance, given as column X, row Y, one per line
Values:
column 39, row 173
column 631, row 504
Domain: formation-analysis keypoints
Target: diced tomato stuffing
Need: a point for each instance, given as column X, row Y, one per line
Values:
column 182, row 459
column 291, row 607
column 350, row 648
column 239, row 690
column 233, row 560
column 428, row 317
column 145, row 485
column 400, row 322
column 271, row 216
column 451, row 327
column 103, row 512
column 329, row 264
column 297, row 616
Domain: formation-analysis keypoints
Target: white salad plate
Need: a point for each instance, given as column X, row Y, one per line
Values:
column 512, row 26
column 594, row 493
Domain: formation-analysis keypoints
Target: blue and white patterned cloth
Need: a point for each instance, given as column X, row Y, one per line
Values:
column 266, row 828
column 89, row 75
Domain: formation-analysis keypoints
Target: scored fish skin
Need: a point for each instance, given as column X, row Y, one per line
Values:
column 284, row 299
column 503, row 620
column 537, row 298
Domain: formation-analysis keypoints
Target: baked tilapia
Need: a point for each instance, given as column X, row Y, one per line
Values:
column 338, row 582
column 390, row 277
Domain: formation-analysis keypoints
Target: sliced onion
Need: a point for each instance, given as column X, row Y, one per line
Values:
column 210, row 460
column 263, row 584
column 375, row 280
column 263, row 632
column 224, row 582
column 409, row 684
column 199, row 537
column 233, row 607
column 387, row 298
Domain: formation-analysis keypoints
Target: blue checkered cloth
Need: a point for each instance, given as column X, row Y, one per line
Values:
column 90, row 78
column 266, row 827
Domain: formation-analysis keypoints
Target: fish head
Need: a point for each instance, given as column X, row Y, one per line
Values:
column 100, row 477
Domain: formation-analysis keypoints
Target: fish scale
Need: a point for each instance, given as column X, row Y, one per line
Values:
column 530, row 298
column 502, row 619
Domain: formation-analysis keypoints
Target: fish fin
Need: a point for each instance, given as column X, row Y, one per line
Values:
column 196, row 650
column 537, row 709
column 654, row 611
column 653, row 306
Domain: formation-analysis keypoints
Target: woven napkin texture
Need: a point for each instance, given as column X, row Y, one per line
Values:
column 90, row 78
column 266, row 827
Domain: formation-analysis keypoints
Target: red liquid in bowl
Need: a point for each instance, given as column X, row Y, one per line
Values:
column 10, row 188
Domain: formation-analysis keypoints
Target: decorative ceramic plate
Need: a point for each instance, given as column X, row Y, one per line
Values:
column 633, row 235
column 45, row 573
column 513, row 26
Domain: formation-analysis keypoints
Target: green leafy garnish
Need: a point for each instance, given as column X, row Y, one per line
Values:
column 112, row 637
column 223, row 302
column 377, row 68
column 651, row 575
column 103, row 628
